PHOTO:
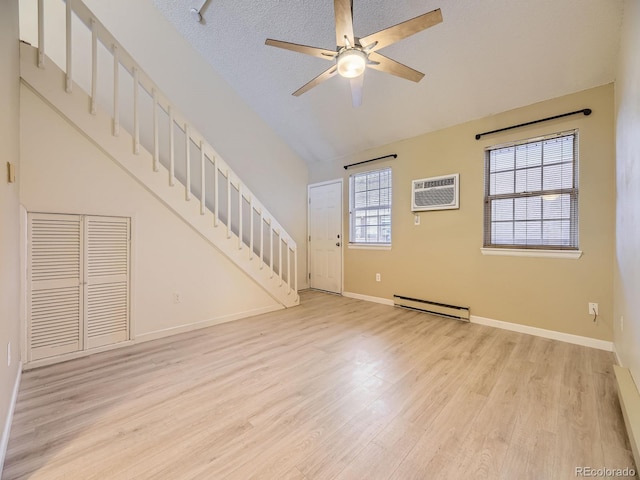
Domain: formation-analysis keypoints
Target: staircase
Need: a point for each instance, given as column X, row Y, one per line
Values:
column 126, row 115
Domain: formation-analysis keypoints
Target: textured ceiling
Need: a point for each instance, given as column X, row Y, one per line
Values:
column 486, row 57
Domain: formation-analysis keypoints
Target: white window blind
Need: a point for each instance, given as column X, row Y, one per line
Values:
column 370, row 207
column 531, row 194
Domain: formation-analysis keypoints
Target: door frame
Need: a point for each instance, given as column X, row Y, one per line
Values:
column 342, row 243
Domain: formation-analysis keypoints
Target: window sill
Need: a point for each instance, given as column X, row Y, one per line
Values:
column 524, row 252
column 364, row 246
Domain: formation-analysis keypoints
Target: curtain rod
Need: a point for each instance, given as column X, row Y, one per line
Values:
column 585, row 111
column 394, row 155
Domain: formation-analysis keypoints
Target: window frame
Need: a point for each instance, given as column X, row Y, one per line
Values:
column 513, row 248
column 353, row 211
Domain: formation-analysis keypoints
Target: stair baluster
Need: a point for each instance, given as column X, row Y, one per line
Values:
column 135, row 117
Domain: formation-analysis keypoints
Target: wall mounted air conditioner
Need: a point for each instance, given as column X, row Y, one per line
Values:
column 435, row 193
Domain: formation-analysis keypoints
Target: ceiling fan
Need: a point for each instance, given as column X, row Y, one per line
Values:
column 354, row 54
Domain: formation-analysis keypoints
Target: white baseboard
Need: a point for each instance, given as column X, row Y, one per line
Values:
column 145, row 337
column 541, row 332
column 629, row 398
column 514, row 327
column 4, row 443
column 368, row 298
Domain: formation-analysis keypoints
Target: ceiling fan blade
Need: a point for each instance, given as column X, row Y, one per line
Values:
column 344, row 21
column 294, row 47
column 385, row 64
column 326, row 75
column 402, row 30
column 356, row 90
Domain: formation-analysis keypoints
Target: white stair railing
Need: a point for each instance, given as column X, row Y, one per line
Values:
column 216, row 186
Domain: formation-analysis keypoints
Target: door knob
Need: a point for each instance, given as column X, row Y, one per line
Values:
column 337, row 244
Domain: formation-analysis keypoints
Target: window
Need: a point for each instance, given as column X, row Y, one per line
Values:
column 370, row 207
column 531, row 194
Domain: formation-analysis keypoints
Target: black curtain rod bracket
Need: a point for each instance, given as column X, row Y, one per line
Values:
column 394, row 155
column 585, row 111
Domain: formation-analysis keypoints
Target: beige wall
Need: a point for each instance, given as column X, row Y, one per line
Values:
column 9, row 208
column 627, row 258
column 63, row 172
column 441, row 260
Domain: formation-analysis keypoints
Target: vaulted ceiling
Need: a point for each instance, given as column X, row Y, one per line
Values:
column 487, row 56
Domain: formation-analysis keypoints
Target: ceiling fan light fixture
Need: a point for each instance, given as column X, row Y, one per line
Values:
column 351, row 63
column 353, row 55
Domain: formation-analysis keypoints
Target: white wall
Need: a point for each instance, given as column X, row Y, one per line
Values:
column 64, row 172
column 276, row 175
column 9, row 211
column 627, row 260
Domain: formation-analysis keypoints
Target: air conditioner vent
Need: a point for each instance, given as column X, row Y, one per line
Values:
column 435, row 193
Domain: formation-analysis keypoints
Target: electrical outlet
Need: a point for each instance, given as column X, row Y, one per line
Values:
column 593, row 308
column 9, row 354
column 378, row 278
column 416, row 219
column 177, row 298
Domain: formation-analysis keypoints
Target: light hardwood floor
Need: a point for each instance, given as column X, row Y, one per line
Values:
column 333, row 389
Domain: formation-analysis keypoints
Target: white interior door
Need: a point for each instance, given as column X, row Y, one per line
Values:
column 325, row 236
column 106, row 295
column 78, row 283
column 54, row 291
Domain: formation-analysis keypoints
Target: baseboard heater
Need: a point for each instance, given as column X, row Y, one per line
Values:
column 434, row 308
column 629, row 397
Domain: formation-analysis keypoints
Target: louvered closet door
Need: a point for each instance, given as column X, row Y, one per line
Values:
column 106, row 297
column 55, row 286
